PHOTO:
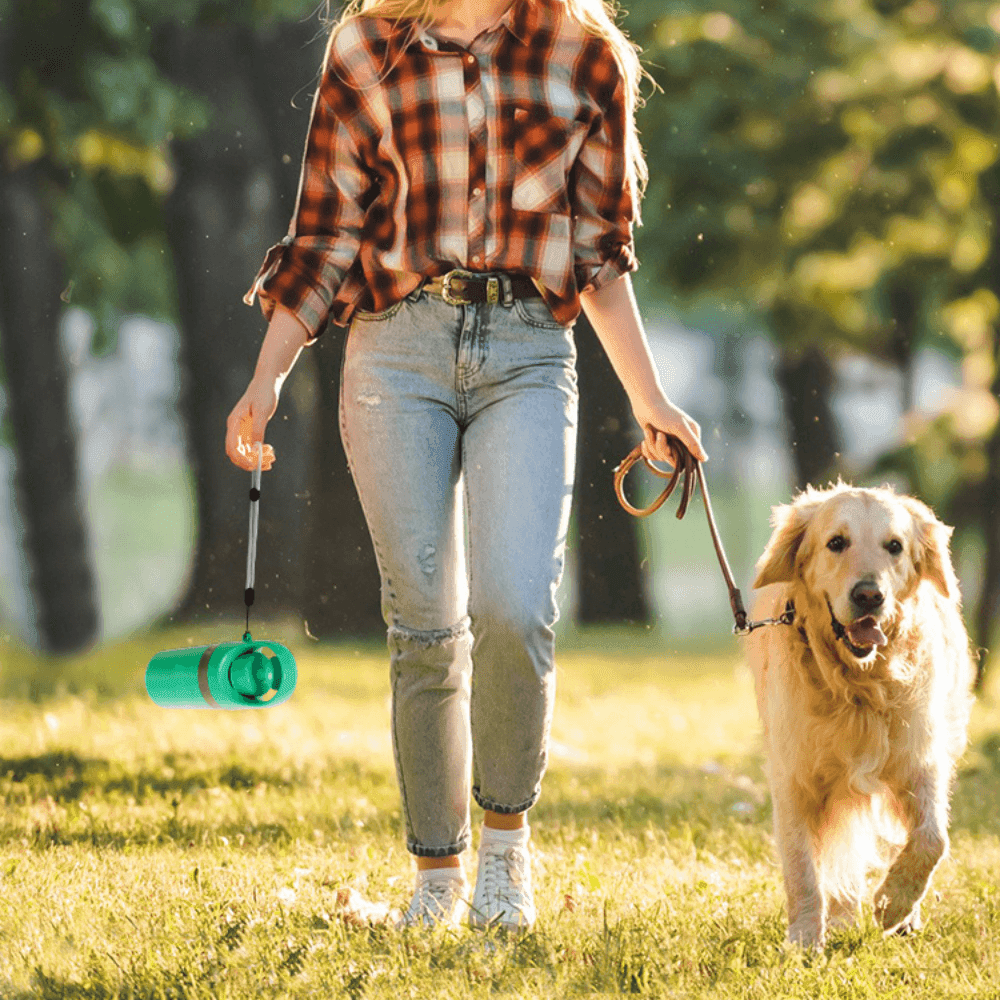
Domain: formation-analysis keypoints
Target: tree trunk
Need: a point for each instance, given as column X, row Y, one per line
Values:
column 31, row 280
column 221, row 217
column 903, row 304
column 726, row 473
column 611, row 584
column 292, row 52
column 342, row 595
column 340, row 580
column 989, row 599
column 806, row 379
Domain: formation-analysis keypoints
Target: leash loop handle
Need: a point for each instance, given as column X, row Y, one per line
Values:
column 622, row 470
column 690, row 468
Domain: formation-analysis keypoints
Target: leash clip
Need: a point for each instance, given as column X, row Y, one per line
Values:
column 787, row 617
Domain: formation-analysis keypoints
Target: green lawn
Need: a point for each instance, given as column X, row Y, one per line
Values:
column 165, row 853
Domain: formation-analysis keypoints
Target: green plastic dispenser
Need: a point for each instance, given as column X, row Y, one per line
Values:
column 245, row 674
column 232, row 675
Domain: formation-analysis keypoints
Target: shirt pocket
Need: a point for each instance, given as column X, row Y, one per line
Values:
column 544, row 147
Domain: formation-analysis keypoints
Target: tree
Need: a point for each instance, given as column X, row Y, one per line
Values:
column 806, row 379
column 222, row 213
column 132, row 221
column 824, row 158
column 32, row 282
column 339, row 579
column 734, row 131
column 610, row 581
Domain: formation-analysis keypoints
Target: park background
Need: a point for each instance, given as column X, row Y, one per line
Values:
column 820, row 281
column 819, row 278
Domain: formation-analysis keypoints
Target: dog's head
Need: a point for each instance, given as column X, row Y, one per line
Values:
column 858, row 554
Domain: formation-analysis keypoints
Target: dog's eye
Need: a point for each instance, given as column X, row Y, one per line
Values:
column 894, row 546
column 837, row 544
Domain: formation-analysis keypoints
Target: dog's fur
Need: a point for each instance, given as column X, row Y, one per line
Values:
column 861, row 743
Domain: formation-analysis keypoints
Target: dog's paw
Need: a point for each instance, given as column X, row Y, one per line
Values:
column 897, row 913
column 897, row 899
column 912, row 923
column 808, row 933
column 842, row 913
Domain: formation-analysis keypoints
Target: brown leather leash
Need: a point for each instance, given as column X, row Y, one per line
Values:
column 688, row 468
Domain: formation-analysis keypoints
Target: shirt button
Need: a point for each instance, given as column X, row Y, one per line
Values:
column 470, row 59
column 475, row 258
column 477, row 191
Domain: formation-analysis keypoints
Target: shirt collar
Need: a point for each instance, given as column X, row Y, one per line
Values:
column 522, row 19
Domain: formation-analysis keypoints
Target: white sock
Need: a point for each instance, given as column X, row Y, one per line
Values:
column 508, row 838
column 443, row 874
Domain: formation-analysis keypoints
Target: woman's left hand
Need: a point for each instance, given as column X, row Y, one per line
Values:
column 660, row 417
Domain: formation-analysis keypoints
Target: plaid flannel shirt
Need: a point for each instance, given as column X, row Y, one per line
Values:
column 506, row 155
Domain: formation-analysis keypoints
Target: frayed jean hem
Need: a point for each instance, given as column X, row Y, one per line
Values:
column 438, row 852
column 497, row 807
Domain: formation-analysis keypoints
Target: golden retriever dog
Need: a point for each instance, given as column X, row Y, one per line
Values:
column 864, row 698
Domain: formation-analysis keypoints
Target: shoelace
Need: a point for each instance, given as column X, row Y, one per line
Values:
column 434, row 898
column 504, row 871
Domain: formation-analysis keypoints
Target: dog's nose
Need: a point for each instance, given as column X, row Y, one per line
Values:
column 866, row 596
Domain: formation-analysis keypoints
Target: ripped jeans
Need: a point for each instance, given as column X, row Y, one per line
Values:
column 439, row 404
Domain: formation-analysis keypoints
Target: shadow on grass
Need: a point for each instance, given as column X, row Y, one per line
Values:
column 71, row 781
column 116, row 669
column 685, row 803
column 67, row 777
column 975, row 807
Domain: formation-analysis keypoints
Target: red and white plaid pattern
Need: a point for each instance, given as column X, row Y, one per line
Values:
column 508, row 155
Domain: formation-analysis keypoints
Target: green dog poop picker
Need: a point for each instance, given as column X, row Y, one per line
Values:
column 245, row 674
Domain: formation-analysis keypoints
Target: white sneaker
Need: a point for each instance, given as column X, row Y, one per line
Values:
column 503, row 896
column 438, row 899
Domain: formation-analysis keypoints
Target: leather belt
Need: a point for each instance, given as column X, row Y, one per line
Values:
column 459, row 288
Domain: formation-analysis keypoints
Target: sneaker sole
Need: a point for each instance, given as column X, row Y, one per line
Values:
column 482, row 923
column 456, row 920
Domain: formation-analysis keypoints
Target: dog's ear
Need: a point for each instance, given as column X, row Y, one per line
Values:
column 931, row 554
column 790, row 521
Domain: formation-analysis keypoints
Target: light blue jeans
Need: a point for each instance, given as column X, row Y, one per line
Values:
column 439, row 404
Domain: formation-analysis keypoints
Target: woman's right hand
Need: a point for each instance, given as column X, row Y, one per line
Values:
column 246, row 424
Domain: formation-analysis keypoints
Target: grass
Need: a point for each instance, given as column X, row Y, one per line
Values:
column 183, row 854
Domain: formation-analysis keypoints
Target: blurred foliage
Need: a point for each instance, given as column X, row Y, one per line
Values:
column 819, row 165
column 729, row 136
column 83, row 94
column 816, row 165
column 811, row 154
column 806, row 156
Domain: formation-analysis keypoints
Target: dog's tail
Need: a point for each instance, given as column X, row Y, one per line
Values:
column 862, row 834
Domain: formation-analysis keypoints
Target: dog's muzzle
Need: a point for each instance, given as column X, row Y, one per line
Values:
column 844, row 634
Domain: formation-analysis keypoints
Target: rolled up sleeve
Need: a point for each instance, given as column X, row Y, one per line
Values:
column 305, row 270
column 603, row 211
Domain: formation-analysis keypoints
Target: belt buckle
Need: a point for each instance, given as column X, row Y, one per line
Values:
column 446, row 294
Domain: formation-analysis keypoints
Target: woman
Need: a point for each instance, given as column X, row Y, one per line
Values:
column 469, row 183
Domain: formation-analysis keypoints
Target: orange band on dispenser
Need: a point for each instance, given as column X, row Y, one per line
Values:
column 206, row 691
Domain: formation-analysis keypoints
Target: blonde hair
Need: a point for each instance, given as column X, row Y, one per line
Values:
column 596, row 17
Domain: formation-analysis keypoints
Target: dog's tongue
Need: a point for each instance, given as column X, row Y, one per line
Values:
column 865, row 632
